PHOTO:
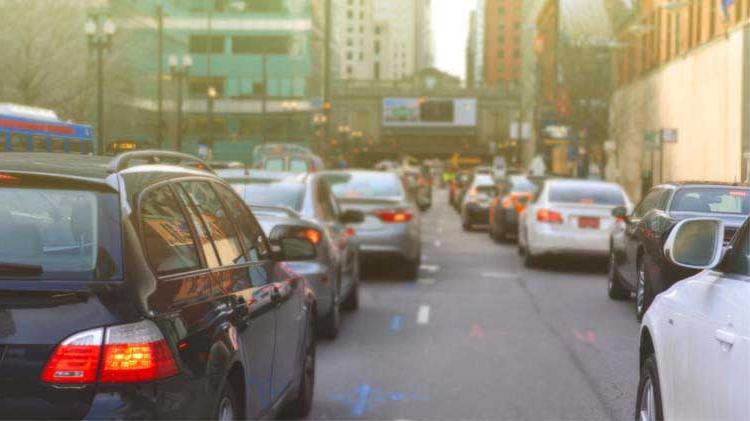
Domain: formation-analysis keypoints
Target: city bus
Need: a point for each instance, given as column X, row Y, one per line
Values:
column 31, row 129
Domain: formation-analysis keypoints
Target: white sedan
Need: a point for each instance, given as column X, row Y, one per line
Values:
column 695, row 337
column 570, row 217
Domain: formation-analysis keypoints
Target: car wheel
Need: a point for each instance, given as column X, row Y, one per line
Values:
column 530, row 260
column 300, row 407
column 329, row 325
column 228, row 408
column 352, row 301
column 465, row 223
column 648, row 404
column 643, row 290
column 502, row 235
column 615, row 289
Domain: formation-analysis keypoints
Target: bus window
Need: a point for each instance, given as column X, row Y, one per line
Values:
column 19, row 143
column 39, row 144
column 74, row 146
column 58, row 145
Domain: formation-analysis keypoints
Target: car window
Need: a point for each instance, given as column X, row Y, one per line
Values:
column 365, row 185
column 249, row 230
column 203, row 239
column 648, row 203
column 216, row 221
column 170, row 245
column 589, row 194
column 287, row 194
column 711, row 200
column 274, row 164
column 324, row 204
column 298, row 166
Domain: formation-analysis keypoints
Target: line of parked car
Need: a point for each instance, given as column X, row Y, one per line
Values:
column 151, row 286
column 683, row 251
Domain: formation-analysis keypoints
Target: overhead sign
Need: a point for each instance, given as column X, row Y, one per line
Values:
column 429, row 112
column 669, row 135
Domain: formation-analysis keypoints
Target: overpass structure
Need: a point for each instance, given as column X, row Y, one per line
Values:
column 430, row 115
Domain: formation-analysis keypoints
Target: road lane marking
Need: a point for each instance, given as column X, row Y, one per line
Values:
column 427, row 281
column 499, row 275
column 423, row 316
column 476, row 331
column 430, row 268
column 363, row 395
column 396, row 323
column 586, row 336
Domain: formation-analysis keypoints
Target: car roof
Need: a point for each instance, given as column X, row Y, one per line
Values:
column 92, row 168
column 580, row 182
column 682, row 184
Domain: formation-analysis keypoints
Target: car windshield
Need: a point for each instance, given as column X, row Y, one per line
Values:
column 365, row 185
column 64, row 234
column 274, row 164
column 712, row 200
column 271, row 194
column 588, row 194
column 521, row 184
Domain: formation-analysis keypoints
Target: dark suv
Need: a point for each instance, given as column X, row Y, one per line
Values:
column 135, row 289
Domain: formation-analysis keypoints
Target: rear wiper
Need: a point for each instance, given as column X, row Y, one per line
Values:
column 10, row 268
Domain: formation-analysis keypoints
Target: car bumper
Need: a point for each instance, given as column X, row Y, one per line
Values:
column 397, row 240
column 549, row 240
column 478, row 214
column 319, row 279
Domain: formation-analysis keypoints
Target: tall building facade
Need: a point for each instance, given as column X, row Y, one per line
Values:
column 382, row 39
column 257, row 59
column 497, row 37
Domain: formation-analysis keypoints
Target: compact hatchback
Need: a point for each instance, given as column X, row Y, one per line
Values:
column 133, row 289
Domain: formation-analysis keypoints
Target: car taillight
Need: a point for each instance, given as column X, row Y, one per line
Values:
column 508, row 202
column 130, row 353
column 394, row 216
column 313, row 235
column 549, row 216
column 76, row 359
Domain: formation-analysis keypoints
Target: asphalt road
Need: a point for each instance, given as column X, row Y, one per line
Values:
column 479, row 337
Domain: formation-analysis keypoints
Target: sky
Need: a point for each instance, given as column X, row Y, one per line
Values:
column 450, row 25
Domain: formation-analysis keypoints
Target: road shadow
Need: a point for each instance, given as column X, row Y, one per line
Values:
column 585, row 265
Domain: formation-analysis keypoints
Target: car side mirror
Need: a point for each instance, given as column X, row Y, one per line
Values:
column 352, row 216
column 291, row 244
column 696, row 243
column 621, row 212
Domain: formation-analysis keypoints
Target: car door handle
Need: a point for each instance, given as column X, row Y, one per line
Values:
column 725, row 337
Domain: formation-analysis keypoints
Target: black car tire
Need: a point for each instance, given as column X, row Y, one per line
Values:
column 228, row 405
column 410, row 270
column 649, row 377
column 300, row 407
column 501, row 236
column 615, row 290
column 530, row 261
column 352, row 300
column 330, row 323
column 644, row 297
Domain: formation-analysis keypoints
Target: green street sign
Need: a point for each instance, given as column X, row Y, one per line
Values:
column 651, row 139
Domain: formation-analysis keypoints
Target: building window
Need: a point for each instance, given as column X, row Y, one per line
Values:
column 204, row 44
column 198, row 86
column 501, row 11
column 377, row 47
column 262, row 6
column 349, row 70
column 261, row 44
column 376, row 70
column 349, row 55
column 350, row 14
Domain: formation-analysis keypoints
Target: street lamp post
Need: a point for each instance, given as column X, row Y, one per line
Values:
column 100, row 30
column 180, row 72
column 289, row 107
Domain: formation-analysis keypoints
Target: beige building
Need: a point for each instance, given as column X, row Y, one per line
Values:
column 382, row 39
column 681, row 110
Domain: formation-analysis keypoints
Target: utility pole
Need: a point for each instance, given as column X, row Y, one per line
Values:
column 160, row 76
column 211, row 90
column 100, row 29
column 327, row 60
column 264, row 98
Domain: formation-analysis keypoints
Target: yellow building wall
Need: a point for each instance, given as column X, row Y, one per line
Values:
column 700, row 95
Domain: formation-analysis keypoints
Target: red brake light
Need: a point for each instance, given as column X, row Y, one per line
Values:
column 131, row 353
column 76, row 359
column 394, row 216
column 550, row 216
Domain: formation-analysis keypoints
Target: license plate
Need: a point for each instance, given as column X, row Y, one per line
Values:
column 588, row 223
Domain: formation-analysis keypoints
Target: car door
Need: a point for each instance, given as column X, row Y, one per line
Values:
column 632, row 236
column 241, row 281
column 342, row 254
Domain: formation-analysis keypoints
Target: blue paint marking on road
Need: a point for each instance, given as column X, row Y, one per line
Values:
column 364, row 398
column 396, row 323
column 361, row 405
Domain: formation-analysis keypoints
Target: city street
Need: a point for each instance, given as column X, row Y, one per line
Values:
column 481, row 337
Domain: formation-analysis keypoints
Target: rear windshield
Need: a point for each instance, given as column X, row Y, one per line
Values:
column 274, row 164
column 522, row 184
column 365, row 186
column 271, row 194
column 587, row 194
column 54, row 234
column 298, row 166
column 712, row 200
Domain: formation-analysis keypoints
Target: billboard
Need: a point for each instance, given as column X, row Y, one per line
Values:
column 429, row 112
